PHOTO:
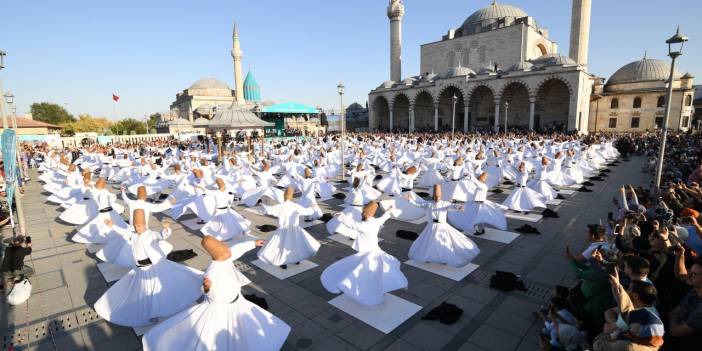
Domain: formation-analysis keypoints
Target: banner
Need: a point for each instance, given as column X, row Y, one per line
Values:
column 9, row 157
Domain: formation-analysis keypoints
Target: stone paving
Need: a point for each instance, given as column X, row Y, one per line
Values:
column 58, row 316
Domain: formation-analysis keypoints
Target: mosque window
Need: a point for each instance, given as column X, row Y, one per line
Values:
column 635, row 122
column 686, row 122
column 451, row 57
column 637, row 102
column 659, row 122
column 688, row 100
column 612, row 123
column 466, row 57
column 482, row 53
column 661, row 101
column 614, row 104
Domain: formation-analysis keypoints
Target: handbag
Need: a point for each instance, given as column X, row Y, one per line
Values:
column 20, row 292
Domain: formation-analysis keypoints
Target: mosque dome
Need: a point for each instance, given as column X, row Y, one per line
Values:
column 209, row 83
column 489, row 15
column 429, row 77
column 458, row 72
column 522, row 66
column 252, row 91
column 408, row 81
column 644, row 70
column 387, row 84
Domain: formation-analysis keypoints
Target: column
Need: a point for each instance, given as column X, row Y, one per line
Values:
column 436, row 116
column 532, row 108
column 497, row 112
column 466, row 108
column 411, row 118
column 391, row 116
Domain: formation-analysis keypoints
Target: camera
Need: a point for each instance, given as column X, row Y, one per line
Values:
column 28, row 239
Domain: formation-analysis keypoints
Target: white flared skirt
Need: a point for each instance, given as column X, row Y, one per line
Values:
column 441, row 243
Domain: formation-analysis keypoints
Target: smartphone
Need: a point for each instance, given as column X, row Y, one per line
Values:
column 611, row 269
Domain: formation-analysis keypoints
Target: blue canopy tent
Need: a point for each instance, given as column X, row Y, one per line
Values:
column 279, row 112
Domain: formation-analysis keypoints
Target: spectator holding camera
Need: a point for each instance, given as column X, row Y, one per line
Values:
column 13, row 266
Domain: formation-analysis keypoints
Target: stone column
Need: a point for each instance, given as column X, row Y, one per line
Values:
column 395, row 12
column 532, row 108
column 411, row 118
column 497, row 112
column 436, row 116
column 391, row 118
column 580, row 31
column 466, row 108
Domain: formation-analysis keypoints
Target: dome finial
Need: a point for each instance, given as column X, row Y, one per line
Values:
column 645, row 54
column 494, row 2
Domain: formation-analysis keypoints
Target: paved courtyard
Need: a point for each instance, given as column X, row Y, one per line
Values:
column 59, row 316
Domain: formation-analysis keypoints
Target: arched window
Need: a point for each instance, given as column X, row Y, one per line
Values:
column 688, row 100
column 483, row 53
column 451, row 58
column 637, row 102
column 466, row 58
column 661, row 101
column 614, row 104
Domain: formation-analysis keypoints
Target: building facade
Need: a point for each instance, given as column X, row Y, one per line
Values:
column 499, row 70
column 633, row 99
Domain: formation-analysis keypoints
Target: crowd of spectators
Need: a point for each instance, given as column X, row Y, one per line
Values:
column 640, row 277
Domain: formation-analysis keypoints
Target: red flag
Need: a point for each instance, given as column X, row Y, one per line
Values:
column 115, row 97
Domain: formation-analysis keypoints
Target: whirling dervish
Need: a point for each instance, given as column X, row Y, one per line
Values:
column 225, row 320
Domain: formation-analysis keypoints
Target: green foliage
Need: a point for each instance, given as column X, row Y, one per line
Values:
column 87, row 124
column 153, row 119
column 50, row 113
column 128, row 126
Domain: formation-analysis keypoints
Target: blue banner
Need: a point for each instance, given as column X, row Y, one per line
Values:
column 9, row 157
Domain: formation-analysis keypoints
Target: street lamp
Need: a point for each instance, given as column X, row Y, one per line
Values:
column 675, row 46
column 10, row 100
column 341, row 88
column 453, row 119
column 2, row 59
column 506, row 111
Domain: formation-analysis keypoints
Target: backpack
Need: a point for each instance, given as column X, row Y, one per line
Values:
column 506, row 281
column 20, row 292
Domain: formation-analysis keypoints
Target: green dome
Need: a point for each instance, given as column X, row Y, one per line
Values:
column 252, row 91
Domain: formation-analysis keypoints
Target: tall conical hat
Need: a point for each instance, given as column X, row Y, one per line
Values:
column 217, row 249
column 483, row 177
column 101, row 183
column 308, row 173
column 139, row 217
column 289, row 193
column 141, row 192
column 220, row 183
column 437, row 191
column 369, row 210
column 176, row 168
column 411, row 170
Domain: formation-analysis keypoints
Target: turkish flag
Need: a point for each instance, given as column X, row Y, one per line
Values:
column 115, row 97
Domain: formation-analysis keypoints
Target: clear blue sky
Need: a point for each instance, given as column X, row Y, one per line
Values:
column 78, row 52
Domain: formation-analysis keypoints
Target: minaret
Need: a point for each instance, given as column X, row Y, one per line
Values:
column 395, row 12
column 237, row 55
column 580, row 31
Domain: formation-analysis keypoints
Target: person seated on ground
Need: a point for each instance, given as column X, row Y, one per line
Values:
column 558, row 317
column 685, row 320
column 13, row 266
column 636, row 325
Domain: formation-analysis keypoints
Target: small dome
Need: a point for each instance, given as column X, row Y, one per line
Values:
column 209, row 83
column 178, row 122
column 204, row 109
column 644, row 70
column 522, row 66
column 429, row 77
column 458, row 72
column 201, row 122
column 355, row 106
column 487, row 70
column 490, row 14
column 387, row 84
column 408, row 81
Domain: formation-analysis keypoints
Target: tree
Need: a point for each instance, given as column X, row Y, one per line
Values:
column 87, row 124
column 127, row 126
column 154, row 119
column 50, row 113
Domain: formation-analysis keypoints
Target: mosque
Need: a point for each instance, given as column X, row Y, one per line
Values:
column 499, row 69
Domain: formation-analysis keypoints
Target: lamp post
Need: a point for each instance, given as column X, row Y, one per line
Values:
column 454, row 99
column 2, row 65
column 10, row 99
column 341, row 88
column 506, row 111
column 675, row 47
